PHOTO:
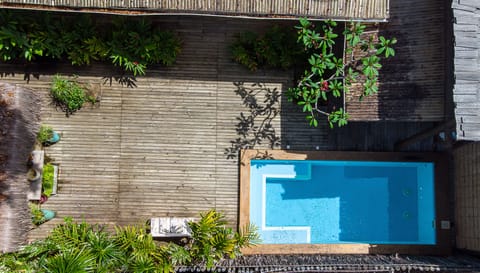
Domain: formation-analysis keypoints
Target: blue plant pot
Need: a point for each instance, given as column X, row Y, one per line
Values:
column 55, row 138
column 47, row 215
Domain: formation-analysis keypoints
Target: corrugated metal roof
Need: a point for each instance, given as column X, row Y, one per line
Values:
column 467, row 68
column 373, row 10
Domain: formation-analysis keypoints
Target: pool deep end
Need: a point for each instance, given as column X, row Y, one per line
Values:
column 332, row 202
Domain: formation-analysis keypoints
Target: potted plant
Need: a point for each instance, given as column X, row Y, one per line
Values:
column 47, row 136
column 40, row 216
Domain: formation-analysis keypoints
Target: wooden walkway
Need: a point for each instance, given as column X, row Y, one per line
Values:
column 169, row 146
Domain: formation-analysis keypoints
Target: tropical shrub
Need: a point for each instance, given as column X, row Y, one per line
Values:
column 82, row 247
column 45, row 134
column 276, row 49
column 37, row 214
column 329, row 77
column 47, row 179
column 135, row 44
column 131, row 43
column 213, row 241
column 69, row 95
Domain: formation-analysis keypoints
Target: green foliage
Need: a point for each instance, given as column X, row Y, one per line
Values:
column 47, row 179
column 212, row 240
column 73, row 260
column 330, row 77
column 37, row 214
column 130, row 43
column 82, row 247
column 45, row 134
column 141, row 250
column 275, row 49
column 68, row 95
column 92, row 240
column 135, row 43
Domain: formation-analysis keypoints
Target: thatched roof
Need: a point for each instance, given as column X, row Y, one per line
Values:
column 372, row 10
column 466, row 92
column 19, row 119
column 343, row 263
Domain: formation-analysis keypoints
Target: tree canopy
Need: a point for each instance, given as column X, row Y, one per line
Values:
column 328, row 76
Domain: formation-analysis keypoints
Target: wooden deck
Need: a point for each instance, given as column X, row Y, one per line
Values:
column 467, row 192
column 416, row 83
column 169, row 146
column 161, row 148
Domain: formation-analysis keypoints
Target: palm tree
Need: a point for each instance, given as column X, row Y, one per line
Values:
column 212, row 240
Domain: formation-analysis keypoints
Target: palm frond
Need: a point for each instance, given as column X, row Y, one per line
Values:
column 107, row 254
column 142, row 264
column 177, row 255
column 71, row 234
column 247, row 236
column 71, row 261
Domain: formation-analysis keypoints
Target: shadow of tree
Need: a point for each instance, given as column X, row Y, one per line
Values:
column 20, row 119
column 37, row 69
column 254, row 126
column 122, row 79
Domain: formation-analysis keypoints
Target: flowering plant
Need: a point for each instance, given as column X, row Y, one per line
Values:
column 330, row 77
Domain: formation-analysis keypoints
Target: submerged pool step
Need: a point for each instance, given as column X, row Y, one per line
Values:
column 303, row 171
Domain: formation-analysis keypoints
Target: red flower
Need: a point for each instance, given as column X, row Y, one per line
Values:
column 135, row 63
column 324, row 86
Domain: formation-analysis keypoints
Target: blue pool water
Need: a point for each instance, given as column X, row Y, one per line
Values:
column 326, row 202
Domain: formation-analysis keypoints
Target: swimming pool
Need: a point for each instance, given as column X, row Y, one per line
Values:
column 341, row 202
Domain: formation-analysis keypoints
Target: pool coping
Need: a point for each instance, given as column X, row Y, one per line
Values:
column 442, row 202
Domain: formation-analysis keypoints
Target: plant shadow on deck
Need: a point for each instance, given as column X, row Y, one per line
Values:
column 36, row 70
column 254, row 126
column 205, row 58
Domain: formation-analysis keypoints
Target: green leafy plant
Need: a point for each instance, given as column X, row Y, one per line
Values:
column 69, row 95
column 47, row 179
column 130, row 43
column 75, row 260
column 134, row 44
column 45, row 134
column 37, row 214
column 329, row 77
column 276, row 49
column 212, row 240
column 82, row 247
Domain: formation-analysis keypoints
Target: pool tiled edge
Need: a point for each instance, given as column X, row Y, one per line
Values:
column 444, row 242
